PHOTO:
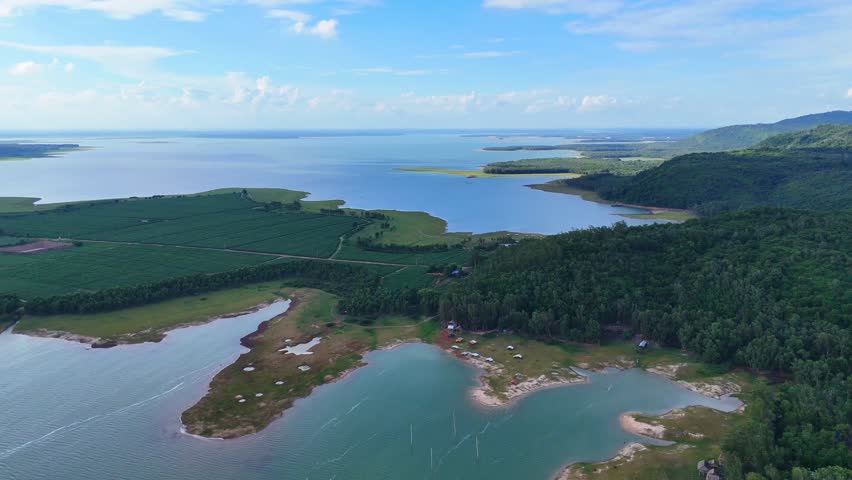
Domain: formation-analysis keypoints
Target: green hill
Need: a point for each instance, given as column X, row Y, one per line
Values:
column 809, row 170
column 737, row 137
column 824, row 136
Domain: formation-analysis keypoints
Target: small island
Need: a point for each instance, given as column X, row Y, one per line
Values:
column 25, row 151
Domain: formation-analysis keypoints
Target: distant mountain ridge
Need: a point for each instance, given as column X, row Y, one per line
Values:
column 737, row 137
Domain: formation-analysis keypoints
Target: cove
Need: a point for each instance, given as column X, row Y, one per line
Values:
column 75, row 413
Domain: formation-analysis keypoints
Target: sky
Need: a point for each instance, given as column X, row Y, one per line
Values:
column 354, row 64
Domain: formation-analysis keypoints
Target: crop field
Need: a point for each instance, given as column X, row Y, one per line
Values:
column 89, row 219
column 99, row 266
column 167, row 237
column 408, row 277
column 220, row 221
column 457, row 255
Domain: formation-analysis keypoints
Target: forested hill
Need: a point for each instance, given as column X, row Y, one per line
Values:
column 768, row 289
column 737, row 137
column 807, row 171
column 822, row 137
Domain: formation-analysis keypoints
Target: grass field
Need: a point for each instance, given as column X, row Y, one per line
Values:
column 149, row 322
column 98, row 266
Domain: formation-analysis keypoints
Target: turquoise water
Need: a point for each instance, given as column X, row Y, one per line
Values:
column 359, row 169
column 70, row 412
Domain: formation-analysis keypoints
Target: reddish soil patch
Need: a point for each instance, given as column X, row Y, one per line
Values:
column 35, row 247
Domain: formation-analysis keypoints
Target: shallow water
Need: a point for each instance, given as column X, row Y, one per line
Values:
column 71, row 412
column 362, row 170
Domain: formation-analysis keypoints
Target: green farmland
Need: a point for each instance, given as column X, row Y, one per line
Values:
column 98, row 266
column 139, row 241
column 226, row 221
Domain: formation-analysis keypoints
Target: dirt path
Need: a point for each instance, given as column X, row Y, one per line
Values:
column 339, row 248
column 229, row 250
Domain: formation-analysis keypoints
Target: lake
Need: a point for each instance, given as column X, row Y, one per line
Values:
column 71, row 412
column 362, row 170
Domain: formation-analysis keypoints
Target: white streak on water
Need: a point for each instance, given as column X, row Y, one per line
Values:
column 47, row 436
column 441, row 460
column 356, row 405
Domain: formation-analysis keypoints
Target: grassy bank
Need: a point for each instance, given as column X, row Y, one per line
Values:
column 547, row 363
column 150, row 322
column 698, row 433
column 276, row 375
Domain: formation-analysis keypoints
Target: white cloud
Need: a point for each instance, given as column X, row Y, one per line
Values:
column 448, row 103
column 131, row 61
column 596, row 102
column 589, row 7
column 336, row 99
column 27, row 68
column 324, row 29
column 31, row 67
column 849, row 93
column 292, row 15
column 183, row 10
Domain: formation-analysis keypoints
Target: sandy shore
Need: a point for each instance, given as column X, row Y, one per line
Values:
column 715, row 390
column 630, row 424
column 485, row 396
column 626, row 454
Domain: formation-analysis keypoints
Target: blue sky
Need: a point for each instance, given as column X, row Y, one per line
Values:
column 420, row 64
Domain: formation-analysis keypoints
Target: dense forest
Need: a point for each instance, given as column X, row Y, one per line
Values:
column 9, row 304
column 766, row 289
column 336, row 277
column 793, row 171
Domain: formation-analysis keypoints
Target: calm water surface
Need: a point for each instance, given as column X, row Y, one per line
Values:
column 358, row 169
column 70, row 412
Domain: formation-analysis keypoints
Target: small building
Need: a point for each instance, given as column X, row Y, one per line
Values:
column 519, row 356
column 510, row 347
column 459, row 340
column 455, row 347
column 643, row 344
column 489, row 360
column 473, row 342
